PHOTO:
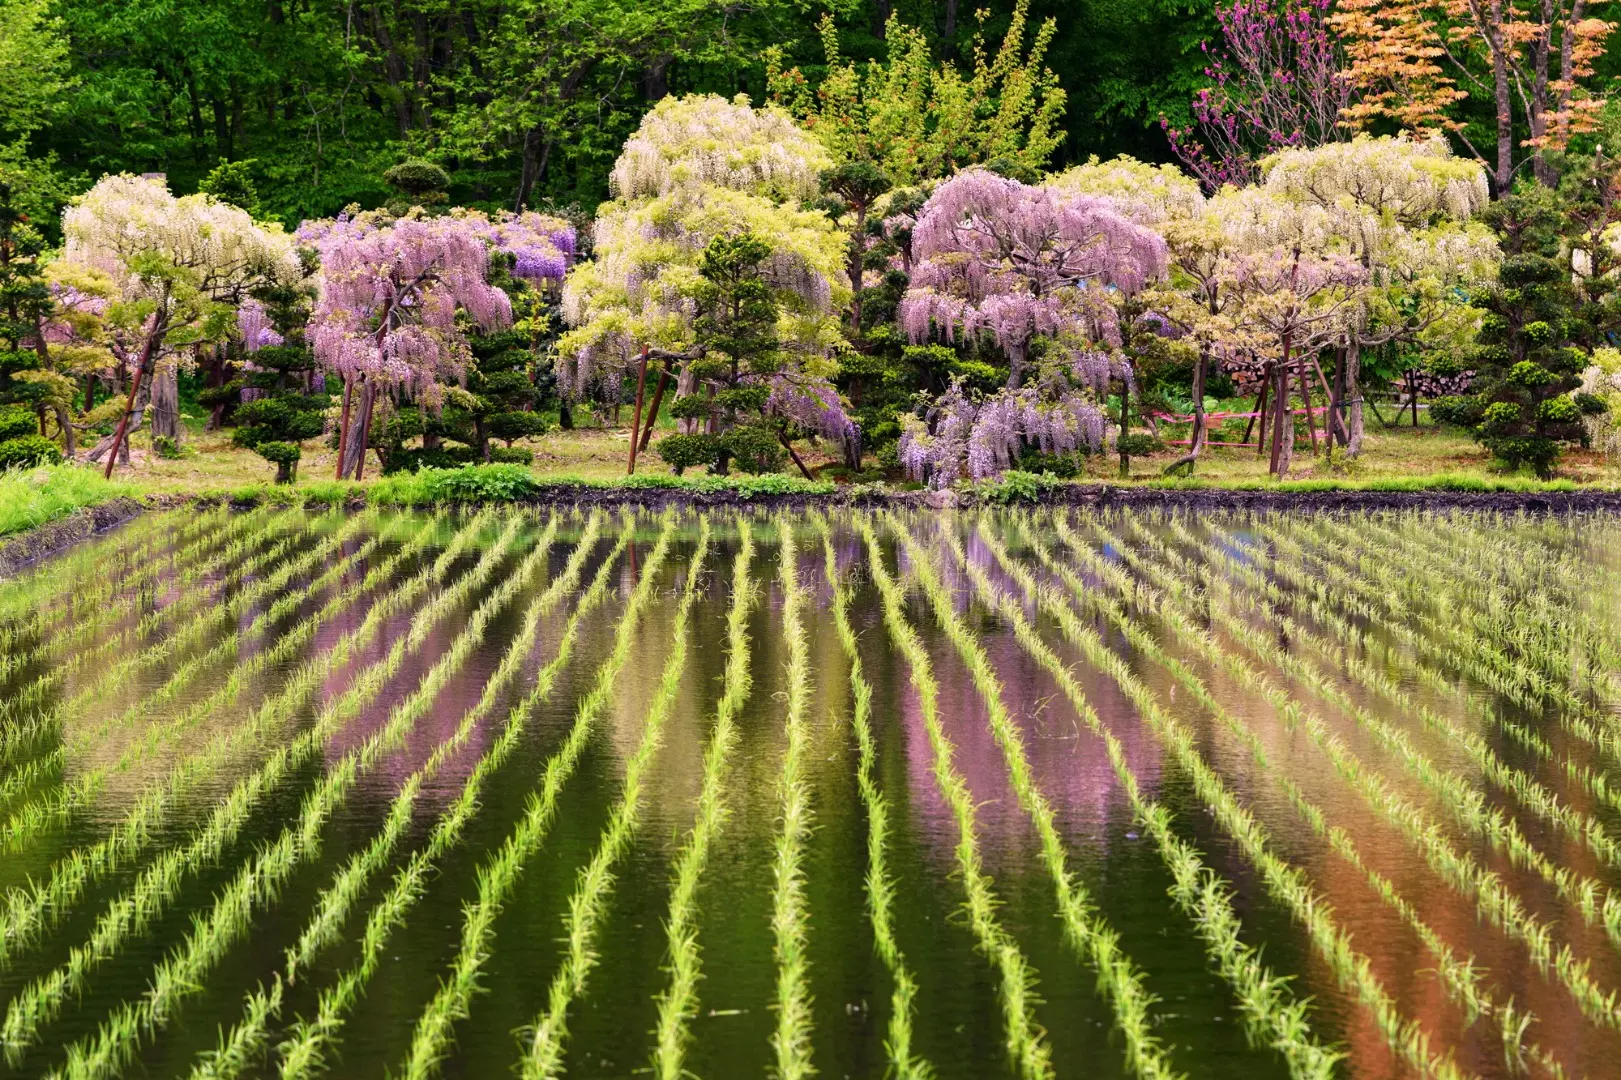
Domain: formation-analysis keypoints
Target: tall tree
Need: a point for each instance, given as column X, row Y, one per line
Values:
column 1528, row 58
column 181, row 267
column 702, row 170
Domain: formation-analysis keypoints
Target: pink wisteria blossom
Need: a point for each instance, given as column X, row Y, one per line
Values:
column 1002, row 259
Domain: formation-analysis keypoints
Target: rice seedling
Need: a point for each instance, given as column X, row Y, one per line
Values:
column 1085, row 929
column 37, row 815
column 1273, row 1015
column 1287, row 883
column 1467, row 804
column 880, row 886
column 1026, row 1043
column 130, row 913
column 258, row 882
column 1495, row 902
column 27, row 911
column 1259, row 732
column 301, row 1053
column 431, row 1039
column 790, row 1041
column 1459, row 976
column 547, row 1045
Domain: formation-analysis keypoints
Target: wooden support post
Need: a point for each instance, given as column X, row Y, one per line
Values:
column 1305, row 393
column 653, row 409
column 1260, row 411
column 636, row 419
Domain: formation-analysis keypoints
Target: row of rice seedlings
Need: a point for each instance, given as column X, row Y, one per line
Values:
column 678, row 1002
column 790, row 1040
column 1512, row 646
column 1085, row 929
column 1534, row 617
column 83, row 609
column 55, row 578
column 84, row 787
column 302, row 1053
column 258, row 882
column 1273, row 1016
column 1527, row 791
column 1455, row 644
column 548, row 1043
column 1287, row 884
column 1495, row 902
column 28, row 910
column 333, row 906
column 48, row 725
column 48, row 595
column 1460, row 978
column 1026, row 1043
column 430, row 1041
column 880, row 886
column 129, row 914
column 1458, row 643
column 103, row 678
column 1524, row 576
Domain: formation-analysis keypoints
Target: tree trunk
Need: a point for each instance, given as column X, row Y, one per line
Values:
column 119, row 442
column 565, row 416
column 1353, row 392
column 1016, row 354
column 343, row 426
column 352, row 461
column 64, row 420
column 636, row 417
column 1196, row 439
column 1502, row 92
column 166, row 403
column 1283, row 423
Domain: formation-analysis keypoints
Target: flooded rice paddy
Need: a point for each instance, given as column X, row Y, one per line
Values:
column 1012, row 794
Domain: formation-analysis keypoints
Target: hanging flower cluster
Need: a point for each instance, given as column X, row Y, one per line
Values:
column 999, row 258
column 963, row 438
column 253, row 324
column 388, row 297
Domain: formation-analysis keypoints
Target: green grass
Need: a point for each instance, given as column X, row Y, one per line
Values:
column 33, row 497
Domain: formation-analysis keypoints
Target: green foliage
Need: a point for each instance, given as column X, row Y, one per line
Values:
column 37, row 496
column 473, row 483
column 17, row 423
column 168, row 449
column 232, row 182
column 1017, row 486
column 28, row 451
column 1528, row 355
column 683, row 452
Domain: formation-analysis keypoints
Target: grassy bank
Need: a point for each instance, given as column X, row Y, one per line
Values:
column 33, row 497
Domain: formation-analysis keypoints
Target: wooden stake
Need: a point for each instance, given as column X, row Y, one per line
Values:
column 129, row 406
column 658, row 399
column 1260, row 410
column 636, row 419
column 1305, row 393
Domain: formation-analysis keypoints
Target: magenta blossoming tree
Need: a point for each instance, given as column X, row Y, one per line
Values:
column 386, row 317
column 1276, row 83
column 997, row 258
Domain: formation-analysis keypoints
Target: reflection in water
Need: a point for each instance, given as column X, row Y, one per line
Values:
column 1416, row 645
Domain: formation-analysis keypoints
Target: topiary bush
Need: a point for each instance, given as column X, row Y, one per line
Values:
column 682, row 452
column 29, row 451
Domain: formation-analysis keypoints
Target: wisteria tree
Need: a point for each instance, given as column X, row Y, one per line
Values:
column 1276, row 82
column 1013, row 264
column 1008, row 261
column 386, row 317
column 181, row 267
column 1401, row 209
column 702, row 170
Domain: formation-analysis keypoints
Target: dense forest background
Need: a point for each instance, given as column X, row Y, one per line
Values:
column 529, row 99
